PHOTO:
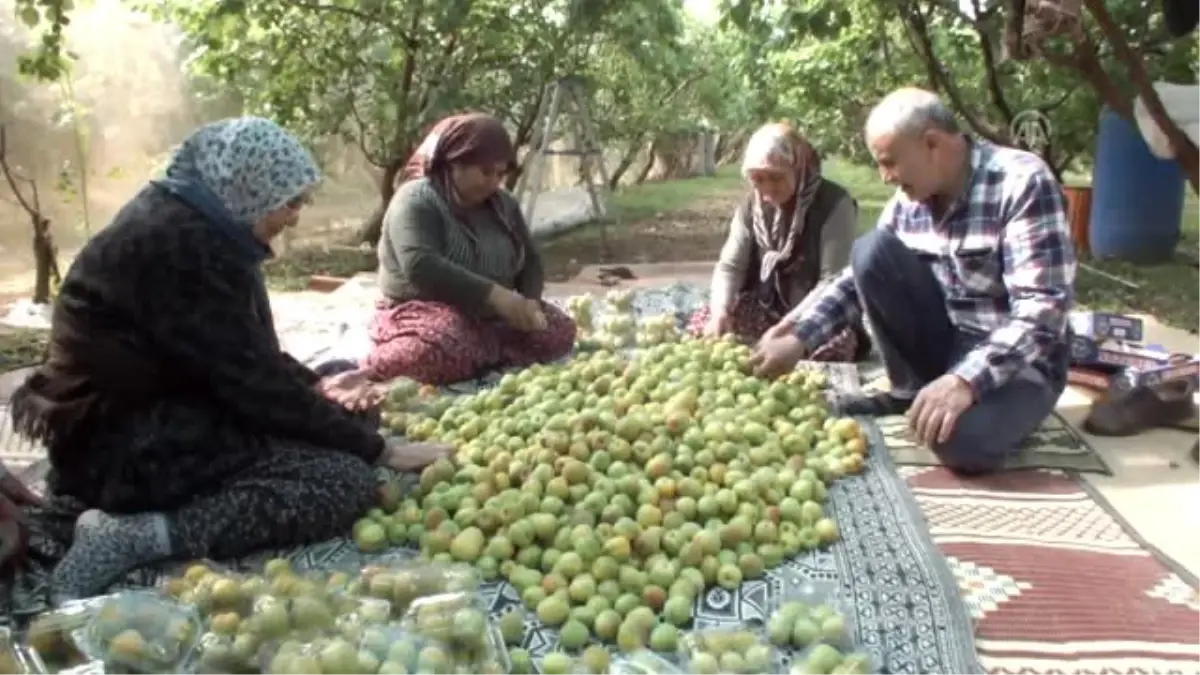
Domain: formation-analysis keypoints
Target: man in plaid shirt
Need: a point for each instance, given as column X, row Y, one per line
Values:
column 966, row 284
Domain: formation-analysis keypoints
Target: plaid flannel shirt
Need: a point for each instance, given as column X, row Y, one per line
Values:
column 1003, row 256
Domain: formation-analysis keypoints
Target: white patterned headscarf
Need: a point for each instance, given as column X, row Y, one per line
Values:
column 251, row 165
column 779, row 147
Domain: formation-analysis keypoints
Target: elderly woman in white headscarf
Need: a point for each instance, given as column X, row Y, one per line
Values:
column 176, row 426
column 786, row 240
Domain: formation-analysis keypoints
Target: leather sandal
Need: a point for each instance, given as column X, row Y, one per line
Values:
column 1131, row 412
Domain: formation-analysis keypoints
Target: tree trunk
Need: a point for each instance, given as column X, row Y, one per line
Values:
column 45, row 258
column 651, row 158
column 631, row 152
column 1085, row 61
column 372, row 228
column 1186, row 152
column 730, row 146
column 679, row 157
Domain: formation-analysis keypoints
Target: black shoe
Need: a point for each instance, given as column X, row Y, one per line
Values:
column 881, row 404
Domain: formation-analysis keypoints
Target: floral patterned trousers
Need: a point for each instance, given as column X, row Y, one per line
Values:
column 434, row 343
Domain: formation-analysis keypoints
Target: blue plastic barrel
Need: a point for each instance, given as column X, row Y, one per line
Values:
column 1137, row 198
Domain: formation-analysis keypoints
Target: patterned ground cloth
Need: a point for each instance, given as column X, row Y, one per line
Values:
column 1055, row 445
column 1054, row 581
column 893, row 581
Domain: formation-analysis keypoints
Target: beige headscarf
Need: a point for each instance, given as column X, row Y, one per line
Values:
column 780, row 147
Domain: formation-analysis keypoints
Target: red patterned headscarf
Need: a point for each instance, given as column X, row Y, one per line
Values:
column 471, row 139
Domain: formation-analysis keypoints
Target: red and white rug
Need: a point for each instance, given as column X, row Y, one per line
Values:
column 1055, row 582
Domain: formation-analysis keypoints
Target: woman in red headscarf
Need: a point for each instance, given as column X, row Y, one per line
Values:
column 461, row 277
column 787, row 239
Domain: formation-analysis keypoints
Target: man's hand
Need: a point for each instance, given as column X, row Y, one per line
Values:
column 777, row 355
column 937, row 408
column 352, row 390
column 784, row 327
column 402, row 456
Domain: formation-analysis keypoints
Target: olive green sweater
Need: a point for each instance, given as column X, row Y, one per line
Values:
column 428, row 253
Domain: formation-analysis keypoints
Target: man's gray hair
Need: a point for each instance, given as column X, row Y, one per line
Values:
column 909, row 111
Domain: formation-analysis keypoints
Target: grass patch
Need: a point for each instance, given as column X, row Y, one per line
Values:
column 21, row 347
column 1167, row 291
column 291, row 272
column 863, row 183
column 653, row 200
column 686, row 220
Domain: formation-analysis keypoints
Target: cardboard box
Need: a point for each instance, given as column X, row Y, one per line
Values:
column 1178, row 369
column 1100, row 326
column 1086, row 351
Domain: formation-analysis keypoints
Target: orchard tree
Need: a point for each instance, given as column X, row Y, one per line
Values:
column 375, row 74
column 378, row 73
column 839, row 59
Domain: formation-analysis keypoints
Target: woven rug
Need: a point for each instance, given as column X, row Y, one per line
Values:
column 1054, row 445
column 1055, row 581
column 897, row 584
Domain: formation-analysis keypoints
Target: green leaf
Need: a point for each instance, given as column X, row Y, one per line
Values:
column 30, row 16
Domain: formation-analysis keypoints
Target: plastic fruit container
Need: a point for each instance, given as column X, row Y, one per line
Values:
column 17, row 658
column 823, row 659
column 809, row 614
column 217, row 653
column 732, row 649
column 143, row 632
column 459, row 621
column 214, row 590
column 404, row 581
column 395, row 650
column 814, row 622
column 644, row 662
column 56, row 636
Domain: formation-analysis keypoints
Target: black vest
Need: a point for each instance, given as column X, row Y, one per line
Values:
column 796, row 277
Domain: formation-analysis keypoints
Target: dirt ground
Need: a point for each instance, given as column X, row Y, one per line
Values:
column 692, row 233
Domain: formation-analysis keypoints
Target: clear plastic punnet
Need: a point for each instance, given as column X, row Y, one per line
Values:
column 402, row 582
column 823, row 659
column 218, row 653
column 459, row 621
column 143, row 632
column 810, row 613
column 18, row 658
column 727, row 649
column 214, row 590
column 331, row 654
column 391, row 649
column 818, row 627
column 57, row 636
column 644, row 662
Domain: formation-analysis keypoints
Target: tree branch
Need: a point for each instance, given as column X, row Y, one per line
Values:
column 33, row 209
column 1186, row 151
column 995, row 88
column 923, row 45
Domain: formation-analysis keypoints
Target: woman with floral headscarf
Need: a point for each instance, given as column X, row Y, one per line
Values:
column 461, row 277
column 175, row 425
column 790, row 236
